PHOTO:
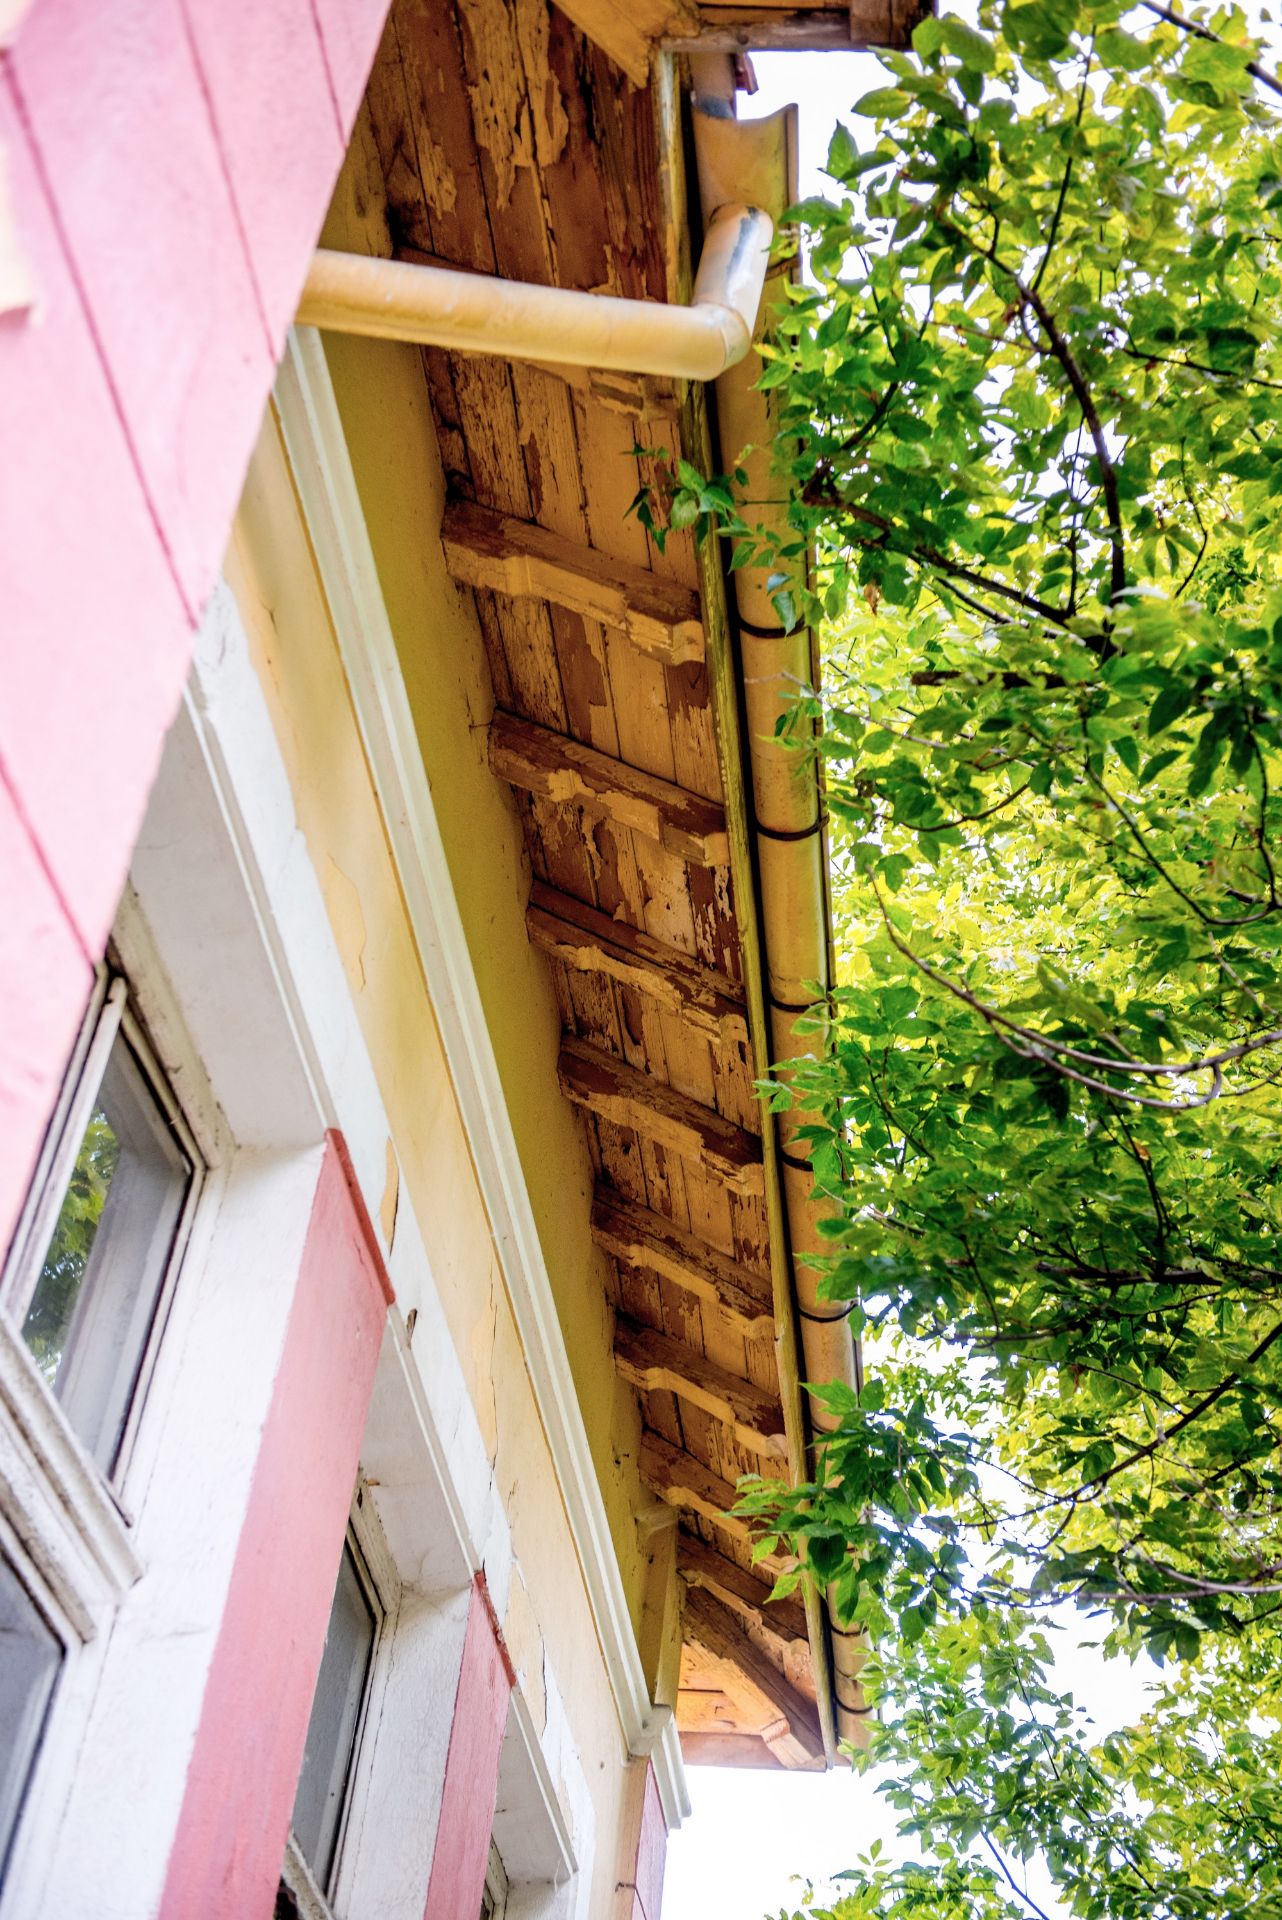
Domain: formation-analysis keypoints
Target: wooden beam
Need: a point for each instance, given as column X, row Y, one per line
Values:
column 628, row 29
column 748, row 29
column 721, row 1633
column 488, row 549
column 725, row 1749
column 841, row 25
column 615, row 1091
column 685, row 1483
column 717, row 1698
column 558, row 768
column 702, row 1566
column 655, row 1363
column 640, row 1238
column 591, row 942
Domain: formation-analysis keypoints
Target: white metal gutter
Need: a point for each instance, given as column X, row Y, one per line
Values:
column 479, row 313
column 758, row 157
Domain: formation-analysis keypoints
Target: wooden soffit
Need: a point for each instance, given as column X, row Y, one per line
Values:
column 632, row 31
column 543, row 143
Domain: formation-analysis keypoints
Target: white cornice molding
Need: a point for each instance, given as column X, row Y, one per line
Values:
column 318, row 452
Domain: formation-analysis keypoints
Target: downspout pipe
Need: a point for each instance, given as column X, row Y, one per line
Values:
column 790, row 827
column 479, row 313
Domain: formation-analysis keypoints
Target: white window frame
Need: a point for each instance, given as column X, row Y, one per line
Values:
column 113, row 1011
column 66, row 1526
column 494, row 1897
column 376, row 1570
column 45, row 1600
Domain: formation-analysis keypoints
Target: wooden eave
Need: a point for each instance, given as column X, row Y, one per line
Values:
column 632, row 31
column 506, row 140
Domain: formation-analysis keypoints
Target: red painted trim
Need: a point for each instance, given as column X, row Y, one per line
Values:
column 482, row 1586
column 652, row 1849
column 231, row 1836
column 471, row 1767
column 369, row 1233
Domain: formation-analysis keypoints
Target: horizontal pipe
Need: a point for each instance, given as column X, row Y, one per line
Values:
column 479, row 313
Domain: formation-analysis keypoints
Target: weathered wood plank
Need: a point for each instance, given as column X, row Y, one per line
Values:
column 640, row 1238
column 558, row 768
column 685, row 1483
column 841, row 25
column 746, row 1750
column 589, row 941
column 702, row 1566
column 629, row 30
column 614, row 1091
column 654, row 1362
column 721, row 1632
column 488, row 549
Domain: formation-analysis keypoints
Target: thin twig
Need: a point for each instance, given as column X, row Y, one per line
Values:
column 1200, row 32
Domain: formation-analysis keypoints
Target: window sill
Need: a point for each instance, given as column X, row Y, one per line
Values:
column 66, row 1505
column 309, row 1902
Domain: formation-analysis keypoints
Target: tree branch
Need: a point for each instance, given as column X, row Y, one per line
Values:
column 1200, row 32
column 1063, row 352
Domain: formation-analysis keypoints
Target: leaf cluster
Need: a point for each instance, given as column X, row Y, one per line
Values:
column 1028, row 416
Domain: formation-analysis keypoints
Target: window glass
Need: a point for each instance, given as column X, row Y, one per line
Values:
column 30, row 1655
column 336, row 1712
column 90, row 1315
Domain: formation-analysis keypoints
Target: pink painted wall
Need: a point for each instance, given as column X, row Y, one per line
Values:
column 231, row 1836
column 471, row 1767
column 169, row 164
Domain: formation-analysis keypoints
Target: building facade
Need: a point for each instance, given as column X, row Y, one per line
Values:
column 400, row 904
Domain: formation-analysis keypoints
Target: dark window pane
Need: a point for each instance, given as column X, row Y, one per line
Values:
column 331, row 1732
column 91, row 1313
column 30, row 1655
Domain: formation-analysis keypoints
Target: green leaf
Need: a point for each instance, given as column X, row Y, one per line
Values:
column 883, row 103
column 1174, row 700
column 974, row 50
column 843, row 155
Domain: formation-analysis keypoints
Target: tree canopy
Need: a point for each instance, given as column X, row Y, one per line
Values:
column 1029, row 416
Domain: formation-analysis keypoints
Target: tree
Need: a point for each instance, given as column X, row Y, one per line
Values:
column 1029, row 406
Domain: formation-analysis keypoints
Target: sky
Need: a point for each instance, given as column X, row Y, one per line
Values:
column 754, row 1838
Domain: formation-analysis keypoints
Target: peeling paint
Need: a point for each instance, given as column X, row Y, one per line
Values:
column 348, row 920
column 483, row 1339
column 518, row 126
column 391, row 1199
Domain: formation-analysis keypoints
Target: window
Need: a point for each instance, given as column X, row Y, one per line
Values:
column 85, row 1292
column 341, row 1686
column 93, row 1263
column 30, row 1655
column 494, row 1898
column 356, row 1620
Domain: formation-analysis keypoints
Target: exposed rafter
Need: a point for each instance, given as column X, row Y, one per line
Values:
column 614, row 1091
column 591, row 942
column 640, row 1238
column 488, row 549
column 559, row 768
column 655, row 1362
column 685, row 1483
column 629, row 30
column 721, row 1632
column 702, row 1566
